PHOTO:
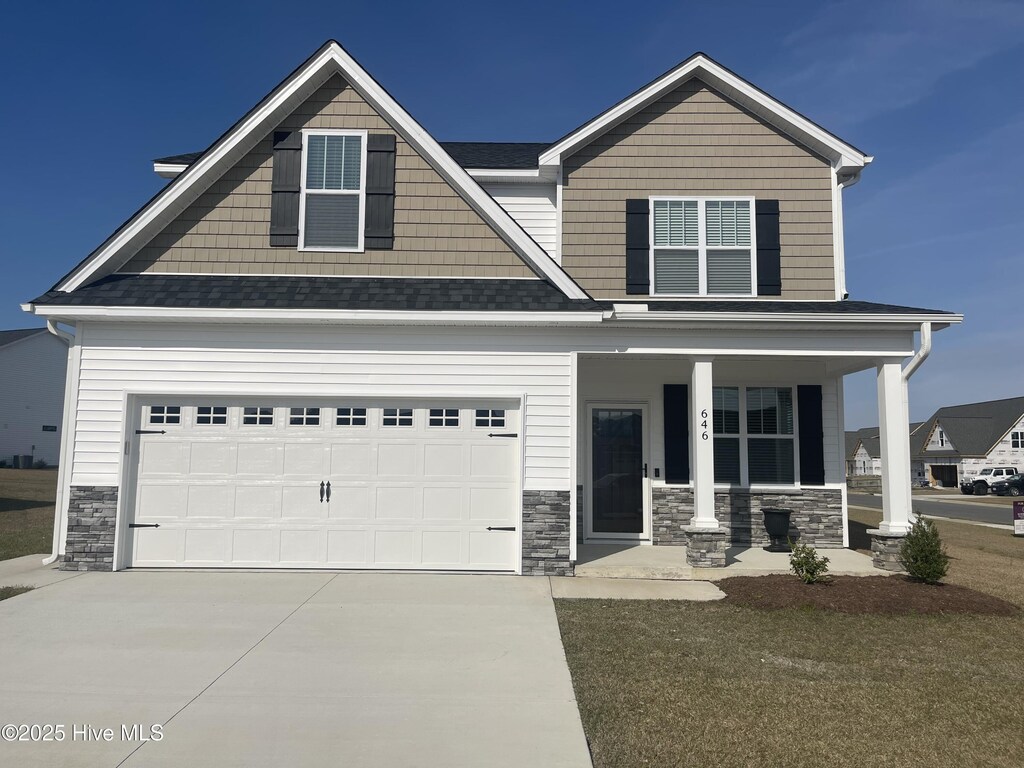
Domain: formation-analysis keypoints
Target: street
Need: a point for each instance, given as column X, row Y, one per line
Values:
column 961, row 508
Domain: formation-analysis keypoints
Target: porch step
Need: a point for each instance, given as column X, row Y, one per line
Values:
column 661, row 572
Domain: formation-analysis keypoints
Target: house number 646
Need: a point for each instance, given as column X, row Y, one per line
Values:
column 704, row 424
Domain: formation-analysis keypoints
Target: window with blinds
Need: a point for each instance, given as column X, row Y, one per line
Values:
column 333, row 191
column 760, row 448
column 702, row 247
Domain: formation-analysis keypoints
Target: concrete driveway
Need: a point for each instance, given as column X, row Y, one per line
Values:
column 294, row 669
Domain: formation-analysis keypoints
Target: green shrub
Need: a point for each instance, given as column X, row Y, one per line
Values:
column 922, row 553
column 807, row 565
column 40, row 464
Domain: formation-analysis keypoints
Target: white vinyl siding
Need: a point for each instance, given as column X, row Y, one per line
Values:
column 702, row 247
column 333, row 185
column 257, row 363
column 534, row 209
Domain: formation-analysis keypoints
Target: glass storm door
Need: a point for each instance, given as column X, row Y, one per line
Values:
column 617, row 471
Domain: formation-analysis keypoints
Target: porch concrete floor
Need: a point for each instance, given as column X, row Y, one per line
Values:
column 636, row 561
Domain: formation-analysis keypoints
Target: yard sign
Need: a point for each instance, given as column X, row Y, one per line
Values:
column 1018, row 518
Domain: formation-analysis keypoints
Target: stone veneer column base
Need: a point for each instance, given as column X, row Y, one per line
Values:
column 705, row 547
column 546, row 533
column 885, row 550
column 92, row 511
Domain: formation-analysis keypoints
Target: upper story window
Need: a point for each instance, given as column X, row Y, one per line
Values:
column 942, row 438
column 702, row 246
column 1017, row 440
column 333, row 190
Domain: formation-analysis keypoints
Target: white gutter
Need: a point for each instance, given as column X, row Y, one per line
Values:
column 64, row 460
column 922, row 354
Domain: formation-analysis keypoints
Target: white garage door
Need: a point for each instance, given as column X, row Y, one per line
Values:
column 388, row 485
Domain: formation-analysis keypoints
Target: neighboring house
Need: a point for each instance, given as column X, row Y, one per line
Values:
column 333, row 342
column 958, row 441
column 864, row 452
column 33, row 366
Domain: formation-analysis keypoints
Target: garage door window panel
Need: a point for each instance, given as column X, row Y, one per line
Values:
column 304, row 417
column 350, row 417
column 212, row 415
column 490, row 417
column 257, row 416
column 443, row 417
column 165, row 414
column 397, row 417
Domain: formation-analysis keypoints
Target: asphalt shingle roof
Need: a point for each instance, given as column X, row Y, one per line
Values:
column 9, row 337
column 276, row 292
column 511, row 155
column 973, row 428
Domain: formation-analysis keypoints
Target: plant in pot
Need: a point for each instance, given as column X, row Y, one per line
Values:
column 776, row 525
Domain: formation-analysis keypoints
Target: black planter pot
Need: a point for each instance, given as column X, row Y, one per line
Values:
column 776, row 524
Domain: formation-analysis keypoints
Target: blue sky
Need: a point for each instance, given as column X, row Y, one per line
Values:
column 932, row 88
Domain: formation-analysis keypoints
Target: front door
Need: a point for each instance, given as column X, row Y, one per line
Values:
column 618, row 467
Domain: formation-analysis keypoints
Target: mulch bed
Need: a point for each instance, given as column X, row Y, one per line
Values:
column 861, row 594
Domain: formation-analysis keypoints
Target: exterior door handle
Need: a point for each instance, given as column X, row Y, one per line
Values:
column 321, row 491
column 328, row 491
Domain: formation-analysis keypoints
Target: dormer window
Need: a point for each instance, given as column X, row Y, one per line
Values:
column 702, row 246
column 333, row 190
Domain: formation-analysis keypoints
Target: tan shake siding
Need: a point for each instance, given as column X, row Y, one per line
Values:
column 695, row 142
column 227, row 229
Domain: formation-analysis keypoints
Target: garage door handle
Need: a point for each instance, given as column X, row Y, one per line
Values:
column 143, row 525
column 321, row 491
column 501, row 528
column 328, row 491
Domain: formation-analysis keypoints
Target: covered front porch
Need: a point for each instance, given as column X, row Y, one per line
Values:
column 678, row 454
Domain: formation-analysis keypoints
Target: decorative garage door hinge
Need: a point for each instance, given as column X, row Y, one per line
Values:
column 503, row 434
column 143, row 525
column 150, row 431
column 501, row 527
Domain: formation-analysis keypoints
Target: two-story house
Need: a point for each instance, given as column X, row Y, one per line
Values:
column 333, row 342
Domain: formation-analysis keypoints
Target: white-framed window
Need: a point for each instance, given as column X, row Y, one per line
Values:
column 213, row 415
column 755, row 435
column 332, row 203
column 942, row 439
column 703, row 246
column 304, row 417
column 351, row 417
column 443, row 417
column 490, row 417
column 257, row 416
column 165, row 414
column 1017, row 439
column 397, row 417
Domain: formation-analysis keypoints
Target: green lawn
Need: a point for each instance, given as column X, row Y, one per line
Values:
column 681, row 684
column 26, row 511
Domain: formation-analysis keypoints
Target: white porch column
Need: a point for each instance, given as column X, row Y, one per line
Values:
column 703, row 456
column 894, row 437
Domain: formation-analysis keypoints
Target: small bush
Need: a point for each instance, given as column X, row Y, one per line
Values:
column 40, row 464
column 807, row 565
column 922, row 553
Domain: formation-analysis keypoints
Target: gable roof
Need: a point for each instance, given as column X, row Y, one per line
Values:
column 329, row 60
column 974, row 428
column 9, row 337
column 845, row 157
column 870, row 439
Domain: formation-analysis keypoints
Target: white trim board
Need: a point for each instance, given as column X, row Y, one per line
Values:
column 843, row 156
column 331, row 59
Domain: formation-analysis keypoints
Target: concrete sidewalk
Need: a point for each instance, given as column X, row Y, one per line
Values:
column 296, row 669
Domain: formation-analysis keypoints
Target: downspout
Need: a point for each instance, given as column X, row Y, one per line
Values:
column 915, row 362
column 62, row 467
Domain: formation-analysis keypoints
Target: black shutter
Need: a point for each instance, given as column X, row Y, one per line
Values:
column 812, row 436
column 677, row 434
column 380, row 191
column 638, row 247
column 285, row 188
column 769, row 269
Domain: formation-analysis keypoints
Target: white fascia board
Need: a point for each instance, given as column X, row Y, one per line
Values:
column 313, row 316
column 843, row 155
column 333, row 58
column 775, row 318
column 548, row 175
column 169, row 170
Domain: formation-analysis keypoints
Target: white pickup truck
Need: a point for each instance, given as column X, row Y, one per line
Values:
column 979, row 484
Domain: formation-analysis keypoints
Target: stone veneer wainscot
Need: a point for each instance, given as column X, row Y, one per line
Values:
column 92, row 512
column 546, row 533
